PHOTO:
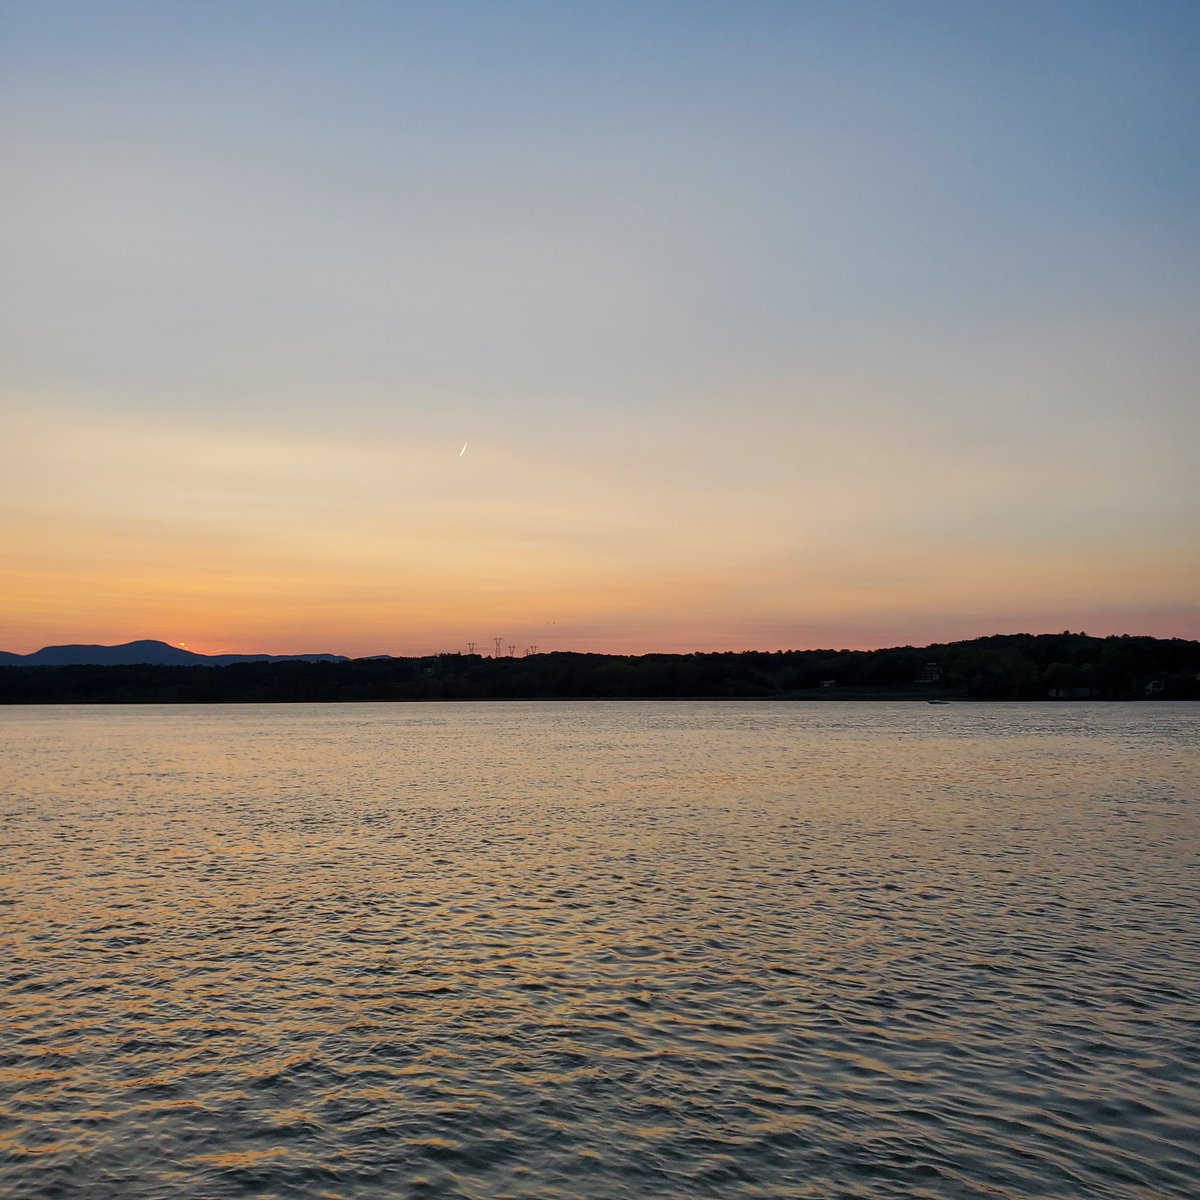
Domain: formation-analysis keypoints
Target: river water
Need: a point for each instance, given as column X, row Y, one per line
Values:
column 600, row 950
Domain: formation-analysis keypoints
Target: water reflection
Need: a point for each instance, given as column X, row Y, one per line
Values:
column 600, row 950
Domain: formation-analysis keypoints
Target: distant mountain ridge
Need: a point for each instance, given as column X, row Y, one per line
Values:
column 150, row 653
column 1020, row 666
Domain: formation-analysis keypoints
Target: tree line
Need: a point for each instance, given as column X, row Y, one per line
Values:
column 1066, row 666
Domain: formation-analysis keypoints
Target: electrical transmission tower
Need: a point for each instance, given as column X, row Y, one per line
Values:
column 470, row 647
column 498, row 641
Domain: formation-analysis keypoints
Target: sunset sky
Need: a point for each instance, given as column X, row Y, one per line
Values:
column 765, row 325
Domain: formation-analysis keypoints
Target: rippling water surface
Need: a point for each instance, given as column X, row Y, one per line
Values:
column 600, row 950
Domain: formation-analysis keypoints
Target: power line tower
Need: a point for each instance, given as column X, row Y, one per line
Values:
column 498, row 642
column 512, row 649
column 470, row 647
column 531, row 650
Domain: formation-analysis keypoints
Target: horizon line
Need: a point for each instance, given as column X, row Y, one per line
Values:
column 536, row 651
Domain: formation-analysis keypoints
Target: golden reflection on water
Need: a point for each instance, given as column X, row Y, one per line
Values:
column 600, row 950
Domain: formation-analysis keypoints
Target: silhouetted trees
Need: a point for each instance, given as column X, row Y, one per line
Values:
column 1004, row 667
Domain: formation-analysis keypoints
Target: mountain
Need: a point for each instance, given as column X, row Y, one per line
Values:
column 1021, row 666
column 158, row 654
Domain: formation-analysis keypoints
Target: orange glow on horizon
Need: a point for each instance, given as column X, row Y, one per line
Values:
column 278, row 546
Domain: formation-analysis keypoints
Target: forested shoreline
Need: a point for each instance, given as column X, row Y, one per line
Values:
column 1067, row 666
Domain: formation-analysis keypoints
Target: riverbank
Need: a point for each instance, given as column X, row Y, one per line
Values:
column 1005, row 667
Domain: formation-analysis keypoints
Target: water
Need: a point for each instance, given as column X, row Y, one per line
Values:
column 600, row 950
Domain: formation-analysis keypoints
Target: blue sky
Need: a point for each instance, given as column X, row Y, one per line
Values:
column 766, row 324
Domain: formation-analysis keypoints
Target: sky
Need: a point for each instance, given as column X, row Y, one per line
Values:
column 764, row 325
